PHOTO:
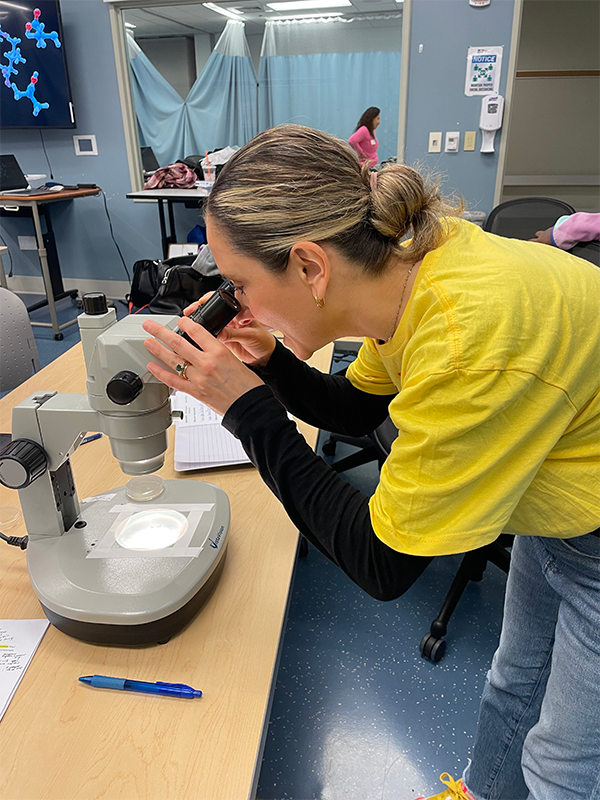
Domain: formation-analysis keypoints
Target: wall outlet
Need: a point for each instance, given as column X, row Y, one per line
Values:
column 452, row 142
column 435, row 142
column 27, row 243
column 470, row 137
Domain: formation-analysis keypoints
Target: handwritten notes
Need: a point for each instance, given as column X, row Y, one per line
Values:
column 200, row 439
column 19, row 639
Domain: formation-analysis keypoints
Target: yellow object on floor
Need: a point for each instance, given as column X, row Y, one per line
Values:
column 455, row 790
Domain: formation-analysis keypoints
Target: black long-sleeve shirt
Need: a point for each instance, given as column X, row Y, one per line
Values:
column 330, row 512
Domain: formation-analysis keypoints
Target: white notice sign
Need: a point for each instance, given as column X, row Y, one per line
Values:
column 484, row 65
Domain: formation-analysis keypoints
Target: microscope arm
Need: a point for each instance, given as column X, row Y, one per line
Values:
column 58, row 422
column 47, row 428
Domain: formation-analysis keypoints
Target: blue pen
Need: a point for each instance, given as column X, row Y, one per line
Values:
column 91, row 438
column 170, row 689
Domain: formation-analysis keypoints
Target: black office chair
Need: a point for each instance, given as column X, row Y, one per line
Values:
column 376, row 447
column 521, row 218
column 588, row 250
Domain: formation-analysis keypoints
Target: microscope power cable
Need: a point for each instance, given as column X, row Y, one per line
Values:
column 17, row 541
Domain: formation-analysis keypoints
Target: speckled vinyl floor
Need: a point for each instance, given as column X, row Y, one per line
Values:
column 358, row 714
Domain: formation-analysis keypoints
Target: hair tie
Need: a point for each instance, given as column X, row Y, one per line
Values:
column 373, row 180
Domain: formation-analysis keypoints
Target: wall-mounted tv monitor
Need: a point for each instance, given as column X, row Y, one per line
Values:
column 34, row 88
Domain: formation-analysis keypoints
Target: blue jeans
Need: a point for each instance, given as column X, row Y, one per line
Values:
column 538, row 735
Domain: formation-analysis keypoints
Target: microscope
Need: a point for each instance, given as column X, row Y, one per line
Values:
column 126, row 567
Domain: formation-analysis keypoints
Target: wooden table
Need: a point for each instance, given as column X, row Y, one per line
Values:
column 62, row 740
column 12, row 204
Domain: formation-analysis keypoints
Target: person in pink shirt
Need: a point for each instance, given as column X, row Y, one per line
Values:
column 363, row 140
column 568, row 230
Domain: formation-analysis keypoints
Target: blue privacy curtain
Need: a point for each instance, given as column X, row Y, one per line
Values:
column 220, row 109
column 330, row 90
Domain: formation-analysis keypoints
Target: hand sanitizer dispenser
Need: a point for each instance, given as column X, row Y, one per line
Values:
column 490, row 121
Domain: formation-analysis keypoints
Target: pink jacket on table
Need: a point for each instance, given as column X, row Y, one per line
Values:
column 366, row 145
column 579, row 227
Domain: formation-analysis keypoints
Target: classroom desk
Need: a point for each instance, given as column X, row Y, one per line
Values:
column 167, row 197
column 61, row 740
column 11, row 205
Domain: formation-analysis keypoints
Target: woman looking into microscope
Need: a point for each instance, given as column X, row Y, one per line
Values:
column 484, row 352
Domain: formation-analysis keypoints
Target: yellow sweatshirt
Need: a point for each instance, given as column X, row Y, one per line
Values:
column 496, row 362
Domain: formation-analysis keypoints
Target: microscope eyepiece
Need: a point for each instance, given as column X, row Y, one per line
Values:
column 216, row 313
column 94, row 303
column 124, row 387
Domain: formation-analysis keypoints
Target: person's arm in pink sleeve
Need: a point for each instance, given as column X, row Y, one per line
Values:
column 356, row 140
column 579, row 227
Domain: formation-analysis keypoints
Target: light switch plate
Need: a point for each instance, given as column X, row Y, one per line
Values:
column 452, row 142
column 470, row 137
column 85, row 145
column 435, row 142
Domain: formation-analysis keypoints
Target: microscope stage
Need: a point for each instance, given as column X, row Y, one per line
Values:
column 94, row 589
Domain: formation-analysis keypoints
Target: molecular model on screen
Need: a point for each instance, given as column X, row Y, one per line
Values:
column 30, row 93
column 13, row 56
column 33, row 30
column 37, row 30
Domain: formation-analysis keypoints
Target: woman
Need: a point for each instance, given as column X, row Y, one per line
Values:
column 484, row 351
column 363, row 140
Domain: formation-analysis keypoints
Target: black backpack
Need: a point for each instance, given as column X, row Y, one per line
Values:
column 167, row 287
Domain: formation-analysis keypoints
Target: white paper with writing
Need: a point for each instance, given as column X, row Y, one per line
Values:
column 200, row 439
column 19, row 639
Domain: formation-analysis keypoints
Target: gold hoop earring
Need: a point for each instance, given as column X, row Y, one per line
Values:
column 320, row 301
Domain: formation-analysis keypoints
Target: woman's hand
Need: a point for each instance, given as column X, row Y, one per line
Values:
column 247, row 339
column 214, row 375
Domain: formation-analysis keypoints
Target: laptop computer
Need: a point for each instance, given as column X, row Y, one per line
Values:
column 12, row 180
column 149, row 162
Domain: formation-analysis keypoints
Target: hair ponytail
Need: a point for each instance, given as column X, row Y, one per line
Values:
column 292, row 184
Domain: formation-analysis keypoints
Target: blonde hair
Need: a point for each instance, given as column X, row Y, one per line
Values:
column 292, row 184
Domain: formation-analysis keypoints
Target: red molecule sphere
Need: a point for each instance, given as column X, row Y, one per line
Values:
column 37, row 13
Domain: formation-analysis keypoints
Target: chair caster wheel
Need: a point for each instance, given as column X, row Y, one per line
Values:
column 59, row 337
column 328, row 448
column 431, row 648
column 303, row 548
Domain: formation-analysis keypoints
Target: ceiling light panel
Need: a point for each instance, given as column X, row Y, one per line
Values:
column 325, row 15
column 224, row 11
column 304, row 5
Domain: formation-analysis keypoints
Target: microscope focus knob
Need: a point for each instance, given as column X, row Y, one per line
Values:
column 21, row 462
column 124, row 387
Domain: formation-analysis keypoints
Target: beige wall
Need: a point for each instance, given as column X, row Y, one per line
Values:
column 555, row 126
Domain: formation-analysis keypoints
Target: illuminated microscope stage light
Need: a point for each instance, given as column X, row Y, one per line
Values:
column 154, row 529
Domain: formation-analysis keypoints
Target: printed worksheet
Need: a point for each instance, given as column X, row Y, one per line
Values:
column 19, row 639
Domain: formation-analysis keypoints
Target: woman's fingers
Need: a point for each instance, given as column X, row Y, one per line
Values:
column 167, row 377
column 176, row 343
column 193, row 306
column 165, row 355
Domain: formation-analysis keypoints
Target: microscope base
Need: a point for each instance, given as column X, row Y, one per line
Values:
column 93, row 588
column 158, row 632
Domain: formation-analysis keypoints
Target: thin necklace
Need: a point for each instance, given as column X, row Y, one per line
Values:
column 397, row 319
